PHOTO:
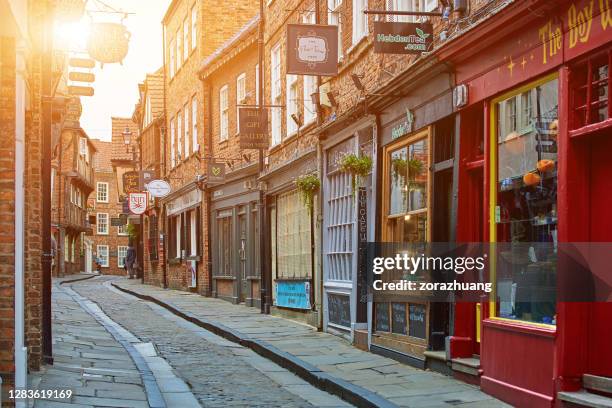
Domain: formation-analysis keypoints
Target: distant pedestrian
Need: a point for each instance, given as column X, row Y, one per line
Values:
column 130, row 261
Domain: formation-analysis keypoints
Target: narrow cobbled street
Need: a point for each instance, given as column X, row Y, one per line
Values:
column 185, row 360
column 114, row 349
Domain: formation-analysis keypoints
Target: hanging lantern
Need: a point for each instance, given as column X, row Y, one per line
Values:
column 108, row 42
column 68, row 11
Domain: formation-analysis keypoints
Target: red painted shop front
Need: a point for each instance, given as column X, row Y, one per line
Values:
column 536, row 166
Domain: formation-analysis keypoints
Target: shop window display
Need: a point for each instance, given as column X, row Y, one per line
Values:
column 526, row 209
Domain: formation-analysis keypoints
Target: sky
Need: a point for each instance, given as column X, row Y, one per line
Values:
column 116, row 86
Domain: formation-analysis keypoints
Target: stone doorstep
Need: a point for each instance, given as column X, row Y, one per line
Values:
column 469, row 366
column 597, row 383
column 585, row 399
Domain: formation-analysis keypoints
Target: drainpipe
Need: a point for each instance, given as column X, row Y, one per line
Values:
column 21, row 352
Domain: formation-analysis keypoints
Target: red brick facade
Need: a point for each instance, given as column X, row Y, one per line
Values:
column 104, row 202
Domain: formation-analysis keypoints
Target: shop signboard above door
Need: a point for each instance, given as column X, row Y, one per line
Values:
column 293, row 294
column 402, row 38
column 253, row 128
column 312, row 49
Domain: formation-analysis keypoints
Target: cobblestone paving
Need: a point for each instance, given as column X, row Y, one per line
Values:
column 398, row 383
column 220, row 373
column 87, row 361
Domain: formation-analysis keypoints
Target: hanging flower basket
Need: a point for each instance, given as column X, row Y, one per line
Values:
column 307, row 186
column 357, row 166
column 68, row 10
column 108, row 42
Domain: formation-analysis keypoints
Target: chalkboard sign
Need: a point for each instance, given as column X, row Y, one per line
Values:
column 382, row 317
column 417, row 321
column 339, row 309
column 398, row 314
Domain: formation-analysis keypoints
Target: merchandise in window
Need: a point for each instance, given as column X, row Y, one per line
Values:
column 408, row 181
column 526, row 203
column 591, row 80
column 293, row 238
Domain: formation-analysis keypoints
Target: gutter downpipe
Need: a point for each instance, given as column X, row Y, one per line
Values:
column 21, row 352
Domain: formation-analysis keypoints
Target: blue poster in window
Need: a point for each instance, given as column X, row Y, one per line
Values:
column 295, row 295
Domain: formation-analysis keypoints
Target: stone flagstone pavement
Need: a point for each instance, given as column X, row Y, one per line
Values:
column 396, row 383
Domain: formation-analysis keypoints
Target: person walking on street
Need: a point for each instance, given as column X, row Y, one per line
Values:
column 130, row 260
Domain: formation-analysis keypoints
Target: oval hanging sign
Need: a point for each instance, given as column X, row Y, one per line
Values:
column 158, row 188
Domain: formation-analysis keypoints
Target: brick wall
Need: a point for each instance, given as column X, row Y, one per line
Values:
column 7, row 207
column 113, row 208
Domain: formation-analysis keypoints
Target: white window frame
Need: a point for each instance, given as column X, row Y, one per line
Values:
column 240, row 96
column 293, row 237
column 360, row 20
column 179, row 54
column 193, row 237
column 148, row 114
column 179, row 137
column 178, row 236
column 186, row 130
column 106, row 258
column 122, row 230
column 186, row 38
column 66, row 248
column 171, row 51
column 194, row 27
column 172, row 143
column 101, row 198
column 194, row 124
column 334, row 17
column 292, row 103
column 223, row 113
column 98, row 224
column 275, row 79
column 121, row 255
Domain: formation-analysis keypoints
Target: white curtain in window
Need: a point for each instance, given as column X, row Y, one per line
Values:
column 293, row 237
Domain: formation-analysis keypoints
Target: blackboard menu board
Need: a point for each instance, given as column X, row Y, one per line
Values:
column 339, row 309
column 398, row 314
column 417, row 321
column 382, row 317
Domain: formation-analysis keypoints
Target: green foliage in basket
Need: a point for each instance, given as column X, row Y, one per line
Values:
column 307, row 186
column 357, row 166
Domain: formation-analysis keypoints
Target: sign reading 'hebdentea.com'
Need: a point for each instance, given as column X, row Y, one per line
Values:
column 402, row 38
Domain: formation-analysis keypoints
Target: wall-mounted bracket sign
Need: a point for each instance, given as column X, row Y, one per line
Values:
column 253, row 129
column 402, row 38
column 312, row 49
column 216, row 172
column 158, row 188
column 131, row 182
column 137, row 203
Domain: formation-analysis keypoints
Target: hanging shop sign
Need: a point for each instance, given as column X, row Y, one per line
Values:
column 402, row 38
column 108, row 42
column 144, row 178
column 131, row 181
column 312, row 49
column 158, row 188
column 216, row 172
column 295, row 295
column 118, row 221
column 253, row 128
column 137, row 203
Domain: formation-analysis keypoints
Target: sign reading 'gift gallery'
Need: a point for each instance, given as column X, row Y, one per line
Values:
column 312, row 49
column 402, row 38
column 253, row 128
